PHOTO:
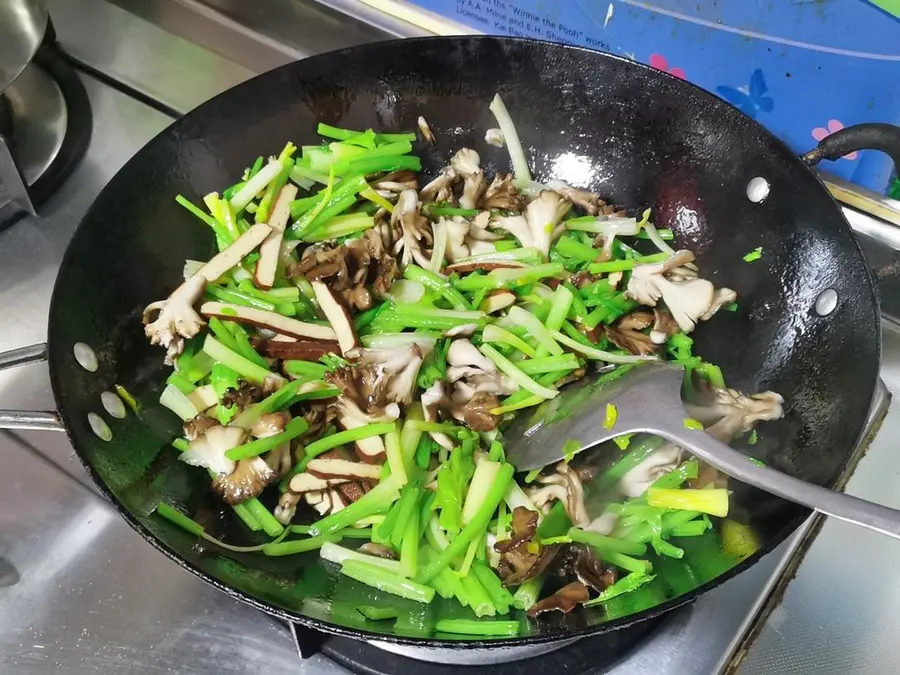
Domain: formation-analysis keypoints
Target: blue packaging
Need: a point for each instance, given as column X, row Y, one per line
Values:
column 802, row 68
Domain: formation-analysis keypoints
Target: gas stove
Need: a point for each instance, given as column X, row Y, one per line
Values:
column 79, row 590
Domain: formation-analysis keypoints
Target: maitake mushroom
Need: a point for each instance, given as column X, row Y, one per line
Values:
column 357, row 269
column 467, row 238
column 373, row 388
column 235, row 481
column 501, row 195
column 413, row 234
column 537, row 227
column 658, row 463
column 728, row 412
column 474, row 385
column 466, row 165
column 687, row 297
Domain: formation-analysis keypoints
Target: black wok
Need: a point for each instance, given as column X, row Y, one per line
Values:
column 635, row 135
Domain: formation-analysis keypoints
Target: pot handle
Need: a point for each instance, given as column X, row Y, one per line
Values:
column 869, row 136
column 27, row 419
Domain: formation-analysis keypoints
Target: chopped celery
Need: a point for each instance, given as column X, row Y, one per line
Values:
column 245, row 368
column 262, row 445
column 610, row 417
column 626, row 265
column 377, row 613
column 379, row 578
column 296, row 546
column 376, row 499
column 509, row 369
column 332, row 552
column 175, row 516
column 269, row 523
column 474, row 529
column 494, row 333
column 713, row 502
column 606, row 544
column 624, row 585
column 526, row 595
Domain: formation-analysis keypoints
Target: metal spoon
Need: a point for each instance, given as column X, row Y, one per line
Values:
column 648, row 399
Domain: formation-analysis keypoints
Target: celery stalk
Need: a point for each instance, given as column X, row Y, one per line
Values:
column 379, row 578
column 243, row 367
column 474, row 529
column 509, row 369
column 378, row 498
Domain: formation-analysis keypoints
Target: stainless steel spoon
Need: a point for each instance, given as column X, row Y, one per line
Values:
column 648, row 399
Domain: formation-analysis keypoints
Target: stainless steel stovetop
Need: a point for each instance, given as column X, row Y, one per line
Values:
column 80, row 592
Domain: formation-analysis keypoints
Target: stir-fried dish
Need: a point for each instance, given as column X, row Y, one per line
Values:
column 346, row 363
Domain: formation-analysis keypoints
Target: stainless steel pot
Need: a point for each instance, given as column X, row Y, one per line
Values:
column 22, row 27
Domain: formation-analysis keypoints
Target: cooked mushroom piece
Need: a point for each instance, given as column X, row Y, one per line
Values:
column 270, row 424
column 689, row 300
column 501, row 194
column 434, row 399
column 664, row 326
column 522, row 558
column 564, row 485
column 466, row 165
column 426, row 130
column 379, row 379
column 728, row 412
column 588, row 201
column 661, row 461
column 494, row 137
column 337, row 315
column 471, row 373
column 464, row 239
column 517, row 226
column 626, row 333
column 249, row 478
column 543, row 215
column 199, row 425
column 580, row 561
column 270, row 249
column 280, row 460
column 396, row 182
column 564, row 600
column 177, row 320
column 415, row 234
column 441, row 188
column 246, row 394
column 537, row 227
column 358, row 269
column 209, row 449
column 287, row 506
column 325, row 502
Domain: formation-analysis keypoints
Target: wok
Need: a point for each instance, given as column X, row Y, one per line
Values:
column 635, row 135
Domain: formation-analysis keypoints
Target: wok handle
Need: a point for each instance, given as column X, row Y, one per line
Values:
column 881, row 519
column 27, row 419
column 870, row 136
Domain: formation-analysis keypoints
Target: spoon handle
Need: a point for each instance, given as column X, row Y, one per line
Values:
column 835, row 504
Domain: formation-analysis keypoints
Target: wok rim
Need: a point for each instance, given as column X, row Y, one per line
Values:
column 359, row 634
